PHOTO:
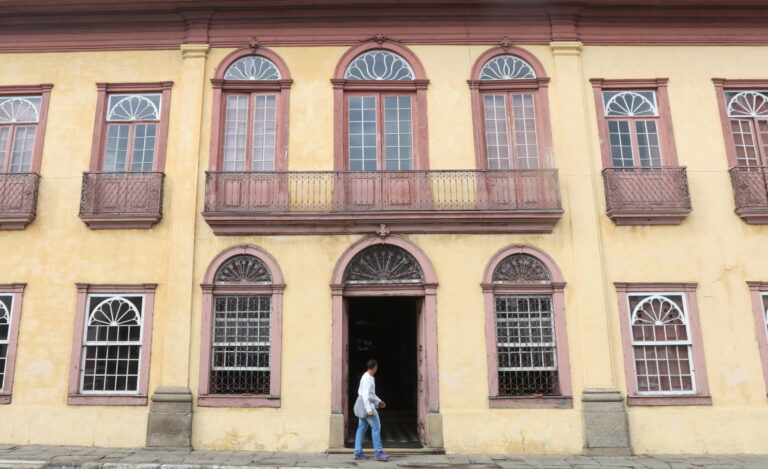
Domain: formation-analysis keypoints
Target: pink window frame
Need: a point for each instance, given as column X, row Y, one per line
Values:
column 210, row 289
column 222, row 87
column 537, row 86
column 416, row 88
column 74, row 396
column 688, row 290
column 758, row 290
column 44, row 91
column 16, row 290
column 555, row 288
column 100, row 124
column 723, row 85
column 664, row 120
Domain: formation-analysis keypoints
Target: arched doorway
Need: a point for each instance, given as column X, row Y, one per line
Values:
column 383, row 293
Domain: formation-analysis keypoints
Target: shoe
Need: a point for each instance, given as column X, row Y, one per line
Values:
column 382, row 456
column 361, row 456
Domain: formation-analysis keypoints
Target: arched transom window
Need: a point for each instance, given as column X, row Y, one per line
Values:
column 633, row 127
column 112, row 345
column 19, row 117
column 526, row 345
column 661, row 342
column 748, row 114
column 380, row 124
column 511, row 107
column 132, row 132
column 383, row 264
column 241, row 331
column 252, row 67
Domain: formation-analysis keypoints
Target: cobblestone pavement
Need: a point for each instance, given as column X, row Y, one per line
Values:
column 60, row 457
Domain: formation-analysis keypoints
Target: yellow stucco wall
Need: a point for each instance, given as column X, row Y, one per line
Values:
column 712, row 247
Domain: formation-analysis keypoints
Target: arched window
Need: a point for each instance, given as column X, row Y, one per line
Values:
column 525, row 330
column 23, row 111
column 635, row 129
column 250, row 115
column 748, row 115
column 380, row 95
column 661, row 338
column 242, row 301
column 10, row 310
column 383, row 264
column 510, row 111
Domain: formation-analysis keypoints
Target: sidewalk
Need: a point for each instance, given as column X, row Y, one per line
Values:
column 54, row 457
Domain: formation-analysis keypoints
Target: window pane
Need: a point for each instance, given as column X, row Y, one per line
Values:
column 525, row 341
column 264, row 126
column 398, row 136
column 496, row 133
column 116, row 149
column 763, row 126
column 744, row 139
column 526, row 142
column 5, row 326
column 144, row 142
column 621, row 143
column 235, row 133
column 648, row 143
column 362, row 133
column 241, row 343
column 4, row 133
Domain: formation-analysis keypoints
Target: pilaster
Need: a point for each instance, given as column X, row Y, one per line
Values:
column 604, row 415
column 183, row 169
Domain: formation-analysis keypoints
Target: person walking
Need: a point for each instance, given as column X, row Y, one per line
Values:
column 368, row 416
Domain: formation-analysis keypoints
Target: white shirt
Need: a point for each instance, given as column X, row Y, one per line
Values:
column 367, row 391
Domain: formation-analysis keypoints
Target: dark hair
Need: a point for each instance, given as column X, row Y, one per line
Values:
column 372, row 364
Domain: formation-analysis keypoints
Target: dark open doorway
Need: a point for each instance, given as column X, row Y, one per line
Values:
column 384, row 328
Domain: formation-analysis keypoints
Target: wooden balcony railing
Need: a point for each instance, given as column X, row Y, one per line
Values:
column 18, row 199
column 647, row 195
column 411, row 201
column 750, row 192
column 121, row 199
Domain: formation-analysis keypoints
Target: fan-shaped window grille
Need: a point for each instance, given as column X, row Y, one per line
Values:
column 521, row 268
column 252, row 67
column 507, row 67
column 383, row 264
column 661, row 343
column 748, row 104
column 112, row 345
column 5, row 330
column 134, row 107
column 19, row 109
column 630, row 104
column 379, row 65
column 243, row 269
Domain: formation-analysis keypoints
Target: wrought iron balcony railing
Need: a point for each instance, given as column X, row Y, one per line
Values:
column 750, row 192
column 352, row 201
column 656, row 195
column 18, row 199
column 121, row 199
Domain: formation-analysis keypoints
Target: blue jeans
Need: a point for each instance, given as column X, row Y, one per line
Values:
column 375, row 424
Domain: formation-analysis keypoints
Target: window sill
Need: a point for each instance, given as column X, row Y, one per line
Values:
column 531, row 402
column 685, row 400
column 81, row 399
column 120, row 222
column 5, row 399
column 239, row 401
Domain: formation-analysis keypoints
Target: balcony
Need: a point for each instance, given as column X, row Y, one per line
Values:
column 647, row 195
column 297, row 202
column 18, row 199
column 750, row 192
column 114, row 200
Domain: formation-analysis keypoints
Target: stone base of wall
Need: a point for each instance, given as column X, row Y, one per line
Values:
column 606, row 431
column 170, row 418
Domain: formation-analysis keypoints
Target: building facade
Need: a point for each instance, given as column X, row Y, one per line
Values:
column 547, row 222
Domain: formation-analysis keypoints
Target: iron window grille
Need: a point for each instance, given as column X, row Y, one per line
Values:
column 112, row 344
